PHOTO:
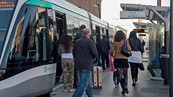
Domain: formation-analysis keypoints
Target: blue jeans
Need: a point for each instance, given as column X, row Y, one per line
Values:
column 84, row 76
column 79, row 74
column 116, row 77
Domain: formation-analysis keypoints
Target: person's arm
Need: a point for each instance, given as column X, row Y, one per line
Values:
column 112, row 49
column 74, row 50
column 93, row 49
column 59, row 50
column 141, row 47
column 108, row 44
column 128, row 46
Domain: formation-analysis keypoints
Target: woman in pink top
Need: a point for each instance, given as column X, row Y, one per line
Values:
column 120, row 60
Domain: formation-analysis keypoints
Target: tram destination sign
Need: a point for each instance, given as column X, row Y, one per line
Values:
column 139, row 30
column 6, row 3
column 132, row 15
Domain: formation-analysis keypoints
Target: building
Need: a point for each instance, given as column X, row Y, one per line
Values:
column 92, row 6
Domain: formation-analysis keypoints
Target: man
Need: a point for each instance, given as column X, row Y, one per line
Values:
column 80, row 34
column 104, row 48
column 84, row 53
column 155, row 64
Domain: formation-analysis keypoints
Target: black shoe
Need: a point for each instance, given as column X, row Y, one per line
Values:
column 126, row 91
column 133, row 84
column 123, row 92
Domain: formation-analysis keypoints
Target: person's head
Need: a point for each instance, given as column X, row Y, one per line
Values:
column 104, row 35
column 163, row 49
column 82, row 27
column 66, row 41
column 119, row 36
column 86, row 32
column 133, row 34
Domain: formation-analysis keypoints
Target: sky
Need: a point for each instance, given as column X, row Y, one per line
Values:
column 110, row 11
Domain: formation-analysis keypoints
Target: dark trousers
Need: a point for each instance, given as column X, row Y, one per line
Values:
column 75, row 79
column 150, row 68
column 123, row 77
column 134, row 70
column 105, row 57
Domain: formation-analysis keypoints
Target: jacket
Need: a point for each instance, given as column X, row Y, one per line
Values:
column 78, row 36
column 136, row 44
column 116, row 48
column 103, row 45
column 84, row 53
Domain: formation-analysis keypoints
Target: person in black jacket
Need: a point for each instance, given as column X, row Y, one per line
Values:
column 104, row 47
column 84, row 52
column 80, row 34
column 136, row 58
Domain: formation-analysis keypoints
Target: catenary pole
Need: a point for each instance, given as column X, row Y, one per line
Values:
column 171, row 50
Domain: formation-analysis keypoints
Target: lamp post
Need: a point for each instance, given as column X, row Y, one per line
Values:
column 171, row 52
column 98, row 3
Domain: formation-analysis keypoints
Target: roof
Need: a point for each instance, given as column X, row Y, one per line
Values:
column 148, row 9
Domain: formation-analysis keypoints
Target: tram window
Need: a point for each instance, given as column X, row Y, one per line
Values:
column 76, row 28
column 42, row 31
column 98, row 37
column 60, row 25
column 94, row 32
column 82, row 22
column 51, row 38
column 70, row 25
column 5, row 17
column 27, row 43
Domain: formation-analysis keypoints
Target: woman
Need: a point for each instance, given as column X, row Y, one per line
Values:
column 136, row 58
column 120, row 60
column 67, row 62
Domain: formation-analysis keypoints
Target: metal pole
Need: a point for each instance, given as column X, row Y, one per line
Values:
column 98, row 3
column 99, row 11
column 171, row 51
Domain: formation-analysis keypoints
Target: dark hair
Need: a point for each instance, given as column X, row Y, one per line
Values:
column 82, row 27
column 119, row 36
column 132, row 34
column 66, row 40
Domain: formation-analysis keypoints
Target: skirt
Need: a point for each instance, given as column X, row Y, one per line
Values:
column 121, row 63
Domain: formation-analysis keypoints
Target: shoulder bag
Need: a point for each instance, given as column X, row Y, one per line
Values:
column 141, row 66
column 124, row 50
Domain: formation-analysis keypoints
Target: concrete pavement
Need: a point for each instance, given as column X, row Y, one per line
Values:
column 145, row 87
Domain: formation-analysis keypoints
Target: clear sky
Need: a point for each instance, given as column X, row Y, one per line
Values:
column 110, row 11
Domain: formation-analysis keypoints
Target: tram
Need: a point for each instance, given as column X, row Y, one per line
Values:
column 30, row 31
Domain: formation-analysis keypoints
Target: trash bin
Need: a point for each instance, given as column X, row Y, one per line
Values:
column 164, row 62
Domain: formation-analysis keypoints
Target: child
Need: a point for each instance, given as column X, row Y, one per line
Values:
column 116, row 78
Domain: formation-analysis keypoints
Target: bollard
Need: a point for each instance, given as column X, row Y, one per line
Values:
column 164, row 62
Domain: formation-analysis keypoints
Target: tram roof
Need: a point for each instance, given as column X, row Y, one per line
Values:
column 150, row 15
column 69, row 6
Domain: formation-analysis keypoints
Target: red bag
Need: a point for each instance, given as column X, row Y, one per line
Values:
column 111, row 66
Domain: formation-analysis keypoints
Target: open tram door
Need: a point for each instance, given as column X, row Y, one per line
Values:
column 60, row 29
column 98, row 33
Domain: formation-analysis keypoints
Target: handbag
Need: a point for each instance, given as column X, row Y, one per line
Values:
column 111, row 66
column 141, row 66
column 124, row 50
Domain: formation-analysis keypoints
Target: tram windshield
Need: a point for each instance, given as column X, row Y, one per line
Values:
column 6, row 13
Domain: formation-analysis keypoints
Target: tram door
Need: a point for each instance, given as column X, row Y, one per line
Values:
column 107, row 34
column 98, row 33
column 61, row 29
